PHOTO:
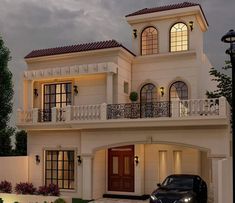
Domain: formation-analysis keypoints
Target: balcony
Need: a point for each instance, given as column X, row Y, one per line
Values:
column 195, row 108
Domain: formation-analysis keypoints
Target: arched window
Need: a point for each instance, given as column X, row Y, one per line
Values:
column 179, row 37
column 178, row 91
column 148, row 96
column 149, row 43
column 148, row 93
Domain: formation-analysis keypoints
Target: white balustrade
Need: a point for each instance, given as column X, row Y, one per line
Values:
column 25, row 116
column 198, row 107
column 86, row 112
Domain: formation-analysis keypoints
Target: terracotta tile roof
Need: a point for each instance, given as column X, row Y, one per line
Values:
column 163, row 8
column 76, row 48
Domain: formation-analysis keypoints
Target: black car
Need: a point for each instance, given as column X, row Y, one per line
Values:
column 180, row 189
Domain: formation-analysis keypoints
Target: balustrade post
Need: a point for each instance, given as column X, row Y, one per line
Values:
column 103, row 111
column 53, row 114
column 35, row 115
column 19, row 115
column 222, row 106
column 68, row 113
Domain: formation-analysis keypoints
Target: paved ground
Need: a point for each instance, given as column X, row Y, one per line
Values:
column 110, row 200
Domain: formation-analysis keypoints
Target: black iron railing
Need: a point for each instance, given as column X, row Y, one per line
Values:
column 138, row 110
column 44, row 115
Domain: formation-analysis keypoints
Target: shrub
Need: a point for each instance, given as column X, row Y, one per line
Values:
column 5, row 187
column 51, row 190
column 60, row 201
column 25, row 188
column 43, row 190
column 133, row 96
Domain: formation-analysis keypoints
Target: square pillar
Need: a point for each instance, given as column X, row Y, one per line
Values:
column 87, row 177
column 109, row 88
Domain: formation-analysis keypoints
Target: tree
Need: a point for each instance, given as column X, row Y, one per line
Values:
column 21, row 143
column 6, row 94
column 5, row 141
column 6, row 86
column 224, row 83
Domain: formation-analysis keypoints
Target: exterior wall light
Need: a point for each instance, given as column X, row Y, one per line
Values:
column 75, row 89
column 136, row 160
column 135, row 33
column 79, row 160
column 191, row 25
column 37, row 159
column 35, row 92
column 162, row 91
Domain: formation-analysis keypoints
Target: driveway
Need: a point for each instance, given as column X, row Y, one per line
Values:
column 111, row 200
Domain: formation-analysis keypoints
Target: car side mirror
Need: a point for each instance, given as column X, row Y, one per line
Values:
column 159, row 184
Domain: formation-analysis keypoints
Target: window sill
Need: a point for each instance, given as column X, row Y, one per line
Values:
column 159, row 56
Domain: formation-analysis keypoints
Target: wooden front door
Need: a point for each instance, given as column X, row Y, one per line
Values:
column 121, row 169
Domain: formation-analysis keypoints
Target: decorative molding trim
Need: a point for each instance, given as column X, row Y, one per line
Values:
column 73, row 70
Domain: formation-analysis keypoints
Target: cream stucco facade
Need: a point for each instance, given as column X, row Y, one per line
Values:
column 184, row 136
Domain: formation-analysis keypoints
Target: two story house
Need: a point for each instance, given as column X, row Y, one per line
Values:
column 85, row 134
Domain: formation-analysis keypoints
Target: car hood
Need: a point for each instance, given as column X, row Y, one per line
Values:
column 172, row 193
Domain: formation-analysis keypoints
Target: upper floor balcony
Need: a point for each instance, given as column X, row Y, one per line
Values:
column 194, row 109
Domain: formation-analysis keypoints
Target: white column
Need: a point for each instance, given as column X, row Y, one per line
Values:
column 53, row 114
column 109, row 88
column 35, row 115
column 103, row 111
column 222, row 107
column 68, row 113
column 87, row 177
column 30, row 94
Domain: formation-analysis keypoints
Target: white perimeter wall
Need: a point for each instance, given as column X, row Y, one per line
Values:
column 14, row 169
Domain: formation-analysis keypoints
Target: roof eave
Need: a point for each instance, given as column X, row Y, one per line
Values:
column 170, row 14
column 78, row 54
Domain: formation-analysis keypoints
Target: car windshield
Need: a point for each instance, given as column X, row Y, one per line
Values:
column 184, row 183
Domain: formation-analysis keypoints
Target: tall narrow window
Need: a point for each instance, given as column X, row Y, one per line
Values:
column 179, row 92
column 59, row 168
column 179, row 37
column 149, row 42
column 148, row 95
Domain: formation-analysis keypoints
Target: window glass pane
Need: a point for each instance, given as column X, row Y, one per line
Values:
column 48, row 165
column 115, row 165
column 127, row 165
column 48, row 174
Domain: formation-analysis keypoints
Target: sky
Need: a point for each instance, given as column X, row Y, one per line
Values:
column 26, row 25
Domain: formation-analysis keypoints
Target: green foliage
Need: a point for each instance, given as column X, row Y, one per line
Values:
column 5, row 141
column 60, row 200
column 6, row 95
column 21, row 143
column 6, row 86
column 224, row 83
column 133, row 96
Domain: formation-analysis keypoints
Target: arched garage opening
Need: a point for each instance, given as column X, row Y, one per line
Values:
column 116, row 168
